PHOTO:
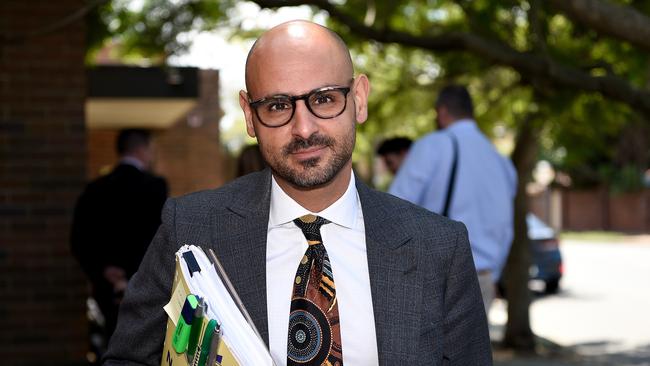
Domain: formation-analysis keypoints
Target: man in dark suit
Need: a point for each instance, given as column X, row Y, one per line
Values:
column 331, row 271
column 115, row 219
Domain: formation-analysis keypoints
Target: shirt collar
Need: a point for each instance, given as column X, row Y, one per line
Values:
column 462, row 124
column 129, row 160
column 342, row 212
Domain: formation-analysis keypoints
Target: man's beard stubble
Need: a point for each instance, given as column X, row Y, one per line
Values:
column 311, row 175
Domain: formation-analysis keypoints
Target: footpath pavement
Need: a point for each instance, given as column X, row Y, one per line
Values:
column 601, row 317
column 570, row 356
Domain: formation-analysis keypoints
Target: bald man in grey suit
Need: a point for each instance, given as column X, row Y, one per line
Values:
column 410, row 297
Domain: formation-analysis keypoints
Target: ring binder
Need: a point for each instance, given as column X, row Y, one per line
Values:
column 238, row 342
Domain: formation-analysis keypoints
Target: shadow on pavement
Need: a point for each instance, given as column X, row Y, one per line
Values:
column 600, row 353
column 584, row 354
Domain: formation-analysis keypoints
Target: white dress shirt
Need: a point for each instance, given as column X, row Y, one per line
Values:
column 129, row 160
column 345, row 241
column 485, row 188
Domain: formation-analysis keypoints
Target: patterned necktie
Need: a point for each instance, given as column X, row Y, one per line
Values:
column 314, row 330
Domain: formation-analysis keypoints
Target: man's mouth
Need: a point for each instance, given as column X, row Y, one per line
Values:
column 308, row 153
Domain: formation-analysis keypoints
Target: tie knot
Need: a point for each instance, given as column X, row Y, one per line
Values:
column 310, row 226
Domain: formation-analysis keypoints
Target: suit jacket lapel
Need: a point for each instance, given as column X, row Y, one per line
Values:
column 396, row 283
column 239, row 238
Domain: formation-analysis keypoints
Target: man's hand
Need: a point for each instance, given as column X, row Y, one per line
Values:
column 116, row 276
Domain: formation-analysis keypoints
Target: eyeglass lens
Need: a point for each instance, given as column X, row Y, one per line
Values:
column 322, row 103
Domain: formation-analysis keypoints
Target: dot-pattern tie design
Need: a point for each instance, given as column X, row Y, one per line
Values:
column 314, row 330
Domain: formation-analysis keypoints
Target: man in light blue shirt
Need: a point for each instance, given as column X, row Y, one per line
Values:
column 484, row 185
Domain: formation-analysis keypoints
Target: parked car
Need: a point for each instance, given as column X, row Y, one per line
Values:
column 545, row 255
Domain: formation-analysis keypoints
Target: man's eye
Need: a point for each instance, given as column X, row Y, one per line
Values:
column 278, row 106
column 324, row 98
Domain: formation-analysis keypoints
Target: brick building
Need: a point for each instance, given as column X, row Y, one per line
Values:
column 51, row 144
column 42, row 169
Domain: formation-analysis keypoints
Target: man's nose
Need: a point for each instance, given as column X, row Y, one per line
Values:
column 304, row 124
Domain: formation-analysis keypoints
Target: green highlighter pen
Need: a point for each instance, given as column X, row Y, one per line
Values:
column 184, row 325
column 206, row 344
column 197, row 326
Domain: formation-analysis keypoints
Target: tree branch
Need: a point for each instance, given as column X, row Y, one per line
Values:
column 530, row 65
column 622, row 22
column 55, row 26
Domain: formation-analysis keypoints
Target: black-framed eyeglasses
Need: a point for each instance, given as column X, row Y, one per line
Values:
column 276, row 111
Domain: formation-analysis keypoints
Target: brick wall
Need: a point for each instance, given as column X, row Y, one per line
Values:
column 42, row 157
column 189, row 154
column 595, row 209
column 585, row 209
column 101, row 152
column 630, row 211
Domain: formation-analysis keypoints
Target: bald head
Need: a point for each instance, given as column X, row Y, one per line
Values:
column 292, row 40
column 300, row 75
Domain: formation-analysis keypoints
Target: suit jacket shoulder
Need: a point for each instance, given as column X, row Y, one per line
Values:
column 426, row 299
column 244, row 197
column 383, row 209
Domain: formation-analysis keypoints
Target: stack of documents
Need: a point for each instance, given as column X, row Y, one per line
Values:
column 201, row 275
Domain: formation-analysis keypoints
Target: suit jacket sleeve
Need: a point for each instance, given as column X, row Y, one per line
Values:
column 467, row 340
column 140, row 333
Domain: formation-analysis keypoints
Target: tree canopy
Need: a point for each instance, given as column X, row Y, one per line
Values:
column 580, row 66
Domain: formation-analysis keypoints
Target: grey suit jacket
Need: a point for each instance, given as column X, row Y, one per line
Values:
column 426, row 299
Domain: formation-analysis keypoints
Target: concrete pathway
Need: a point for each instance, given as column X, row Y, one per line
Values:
column 601, row 316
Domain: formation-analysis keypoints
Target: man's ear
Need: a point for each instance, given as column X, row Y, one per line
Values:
column 248, row 113
column 361, row 89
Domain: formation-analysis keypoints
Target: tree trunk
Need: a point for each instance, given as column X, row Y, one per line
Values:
column 518, row 333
